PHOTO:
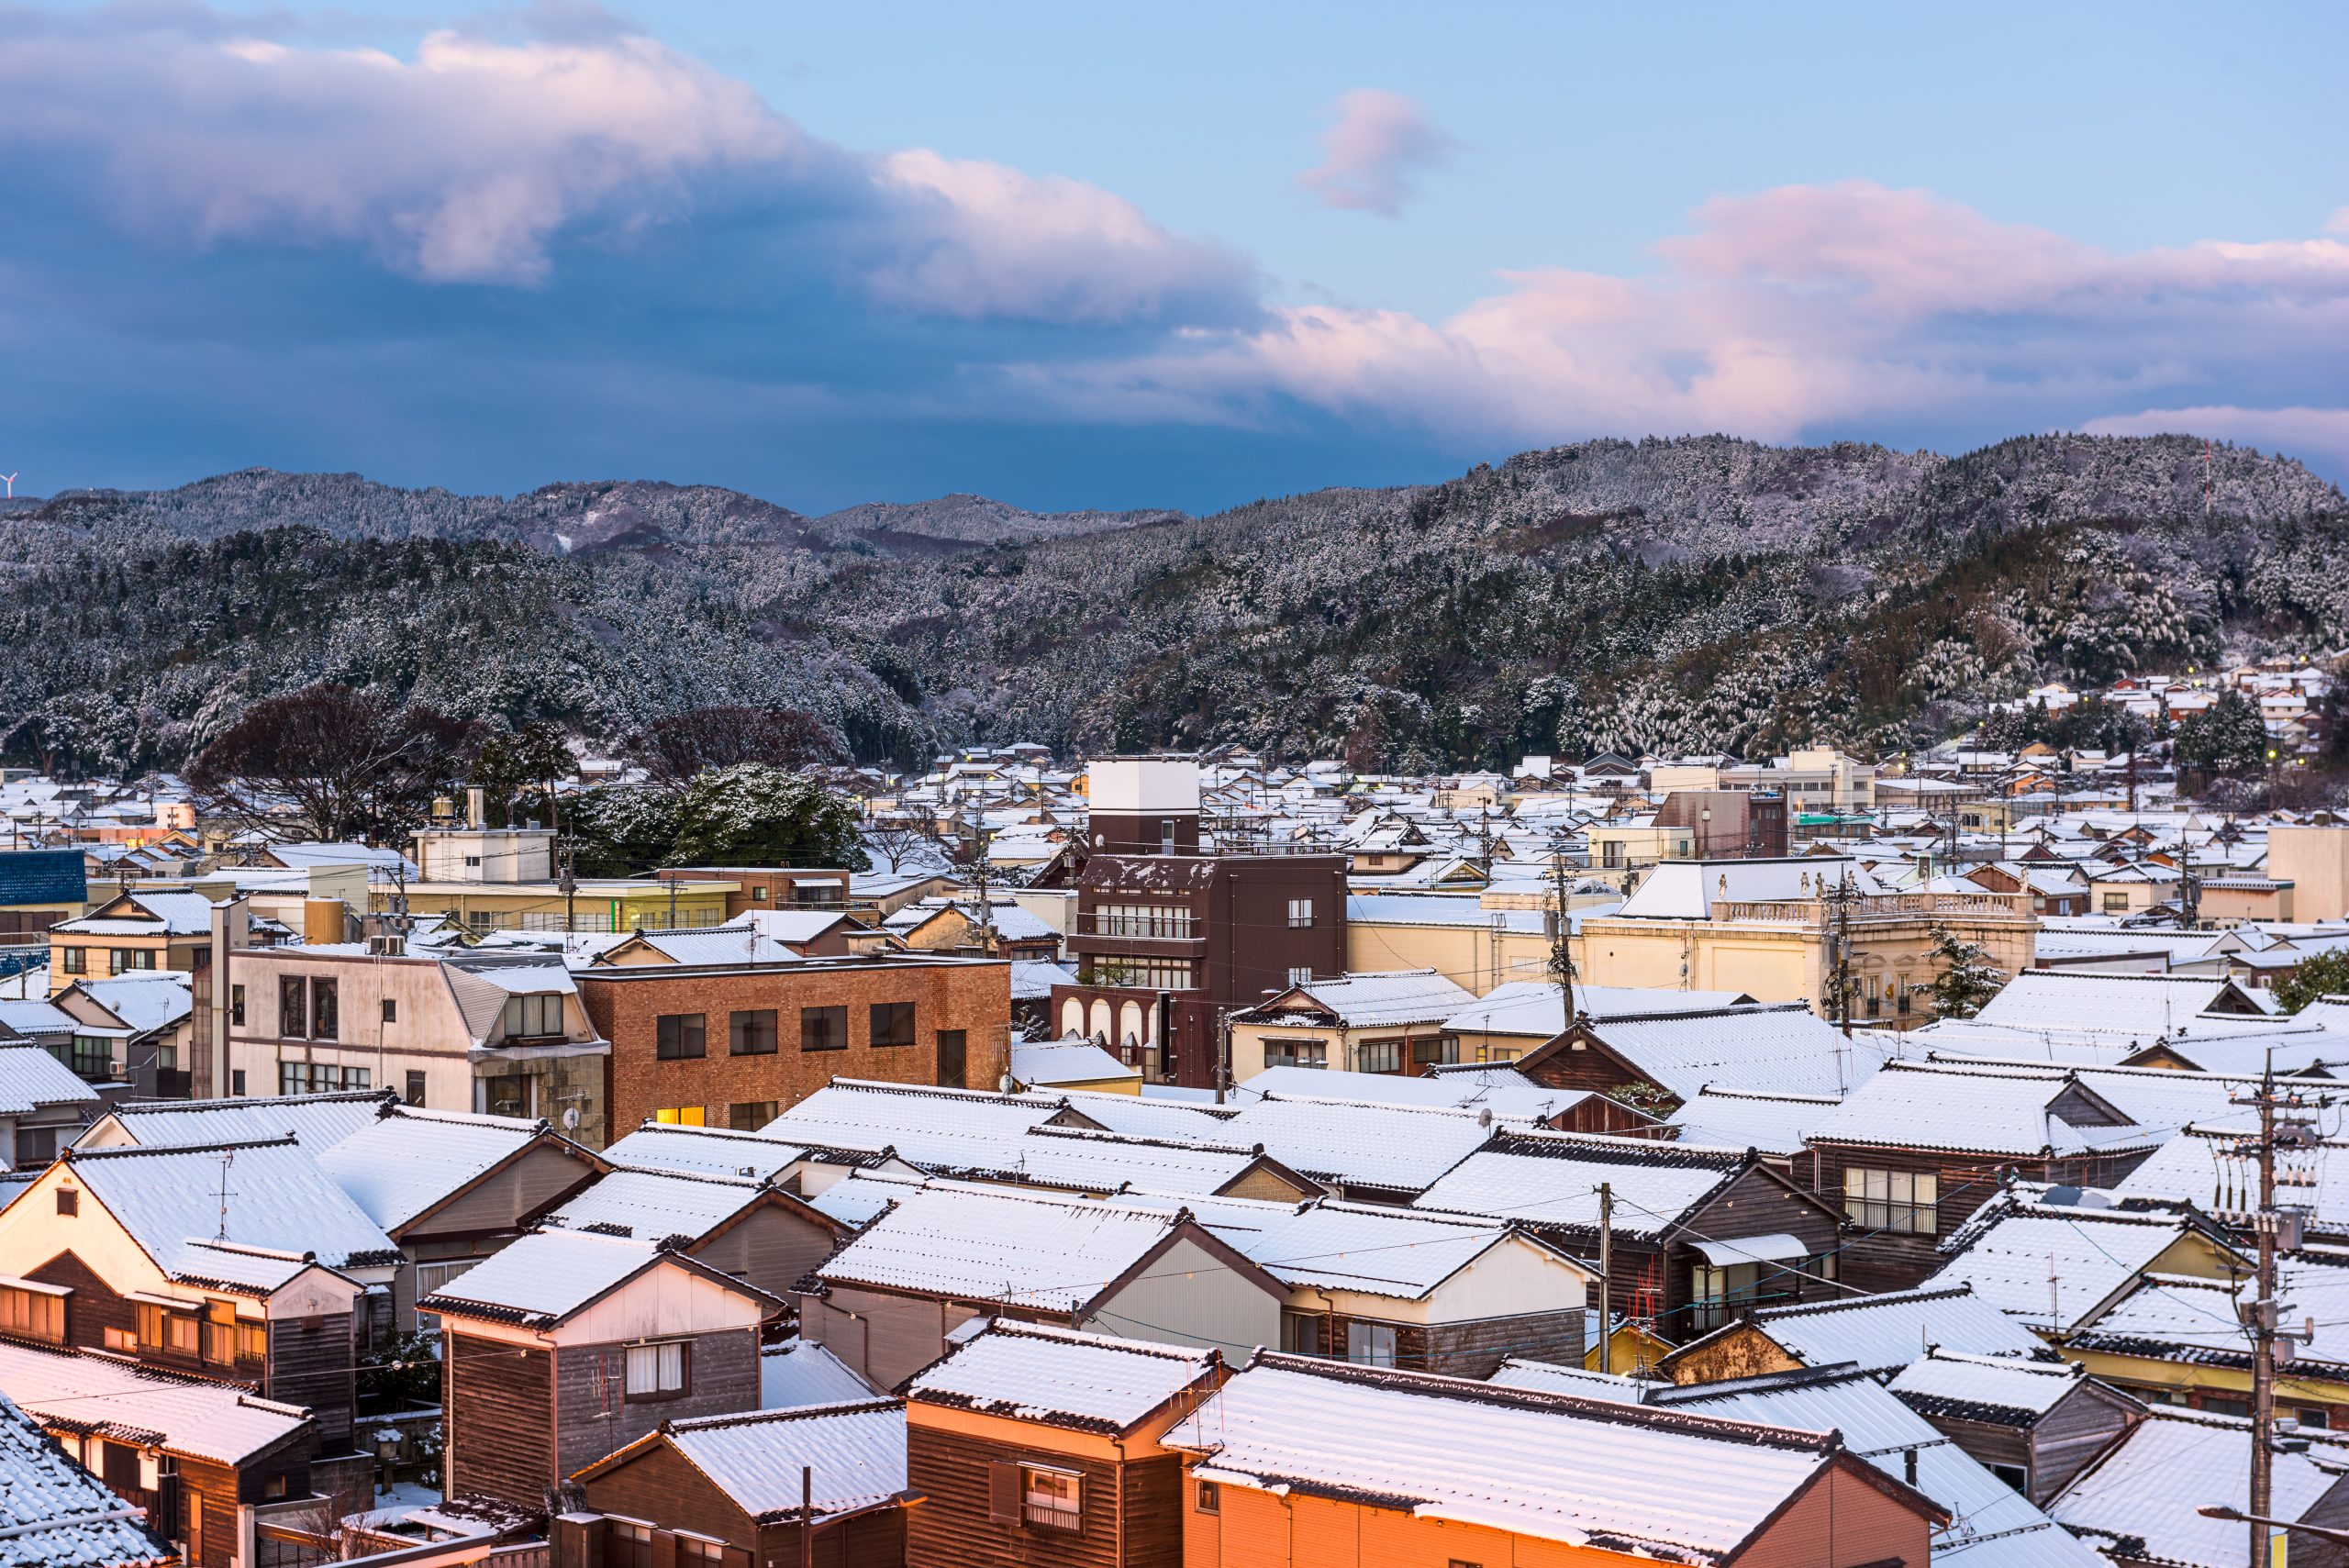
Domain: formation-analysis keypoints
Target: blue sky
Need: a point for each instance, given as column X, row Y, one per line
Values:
column 1123, row 256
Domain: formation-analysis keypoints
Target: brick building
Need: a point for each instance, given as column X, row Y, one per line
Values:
column 718, row 1046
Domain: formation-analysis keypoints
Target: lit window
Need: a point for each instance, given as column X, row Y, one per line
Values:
column 41, row 1314
column 680, row 1116
column 1054, row 1499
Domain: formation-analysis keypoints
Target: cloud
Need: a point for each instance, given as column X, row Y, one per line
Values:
column 1376, row 142
column 2320, row 435
column 1793, row 312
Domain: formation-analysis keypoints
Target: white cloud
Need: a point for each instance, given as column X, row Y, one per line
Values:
column 1376, row 142
column 2316, row 434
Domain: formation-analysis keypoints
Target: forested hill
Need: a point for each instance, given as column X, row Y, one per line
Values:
column 1665, row 593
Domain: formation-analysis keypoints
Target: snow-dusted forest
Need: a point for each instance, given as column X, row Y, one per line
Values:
column 1680, row 595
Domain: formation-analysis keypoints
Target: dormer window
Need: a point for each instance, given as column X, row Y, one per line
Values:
column 535, row 1014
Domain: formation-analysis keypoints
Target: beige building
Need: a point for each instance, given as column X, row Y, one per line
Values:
column 1473, row 947
column 1769, row 928
column 1819, row 778
column 2315, row 860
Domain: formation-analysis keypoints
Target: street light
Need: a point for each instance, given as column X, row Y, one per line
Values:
column 2236, row 1516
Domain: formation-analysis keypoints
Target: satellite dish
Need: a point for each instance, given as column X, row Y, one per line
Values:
column 570, row 1119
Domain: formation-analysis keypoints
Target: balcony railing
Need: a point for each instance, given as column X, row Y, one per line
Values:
column 1171, row 927
column 1878, row 906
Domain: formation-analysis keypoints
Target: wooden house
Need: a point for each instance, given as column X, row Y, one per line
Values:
column 824, row 1486
column 568, row 1346
column 1913, row 1152
column 1699, row 1234
column 1297, row 1461
column 942, row 1254
column 752, row 1230
column 2033, row 1424
column 1032, row 1444
column 1659, row 1061
column 1878, row 1334
column 57, row 1512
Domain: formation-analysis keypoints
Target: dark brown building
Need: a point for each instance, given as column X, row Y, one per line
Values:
column 1730, row 824
column 2035, row 1425
column 707, row 1046
column 770, row 887
column 822, row 1484
column 1168, row 939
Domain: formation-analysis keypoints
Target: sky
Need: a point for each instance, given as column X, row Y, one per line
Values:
column 1077, row 256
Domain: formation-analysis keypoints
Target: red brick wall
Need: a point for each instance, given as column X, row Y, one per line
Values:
column 972, row 997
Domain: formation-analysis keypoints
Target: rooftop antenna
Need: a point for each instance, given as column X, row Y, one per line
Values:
column 227, row 1158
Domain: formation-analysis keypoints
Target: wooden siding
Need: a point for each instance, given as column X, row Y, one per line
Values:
column 542, row 1176
column 659, row 1487
column 499, row 1400
column 310, row 1362
column 593, row 1416
column 94, row 1306
column 951, row 1527
column 865, row 1541
column 885, row 1338
column 774, row 1247
column 2069, row 1437
column 217, row 1484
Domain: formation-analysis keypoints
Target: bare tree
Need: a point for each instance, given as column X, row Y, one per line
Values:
column 896, row 840
column 331, row 763
column 673, row 750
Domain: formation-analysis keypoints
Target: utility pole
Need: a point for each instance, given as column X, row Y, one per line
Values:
column 1561, row 959
column 1842, row 898
column 1606, row 1276
column 569, row 886
column 2275, row 1230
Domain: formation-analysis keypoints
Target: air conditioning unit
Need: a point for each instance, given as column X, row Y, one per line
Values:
column 387, row 946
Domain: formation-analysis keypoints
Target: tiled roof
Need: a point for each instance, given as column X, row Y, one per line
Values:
column 54, row 1514
column 855, row 1455
column 278, row 1200
column 1060, row 1378
column 412, row 1158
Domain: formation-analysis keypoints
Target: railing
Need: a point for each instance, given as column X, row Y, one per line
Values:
column 1171, row 927
column 1875, row 906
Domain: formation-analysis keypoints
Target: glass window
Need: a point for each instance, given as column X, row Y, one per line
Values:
column 1054, row 1499
column 823, row 1029
column 292, row 1007
column 1371, row 1345
column 681, row 1036
column 1301, row 976
column 690, row 1549
column 658, row 1372
column 680, row 1116
column 38, row 1315
column 391, row 1010
column 74, row 961
column 1210, row 1499
column 892, row 1023
column 1899, row 1201
column 628, row 1545
column 236, row 1006
column 1161, row 920
column 953, row 1059
column 322, row 1010
column 91, row 1057
column 751, row 1033
column 1296, row 1053
column 1380, row 1055
column 415, row 1095
column 749, row 1116
column 536, row 1015
column 1300, row 914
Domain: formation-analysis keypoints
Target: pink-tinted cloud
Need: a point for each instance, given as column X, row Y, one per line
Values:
column 1798, row 310
column 1377, row 143
column 2319, row 434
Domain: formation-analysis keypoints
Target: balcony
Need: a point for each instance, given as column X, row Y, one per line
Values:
column 1879, row 908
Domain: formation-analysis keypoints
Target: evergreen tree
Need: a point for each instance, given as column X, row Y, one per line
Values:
column 2319, row 975
column 751, row 814
column 2228, row 737
column 1966, row 978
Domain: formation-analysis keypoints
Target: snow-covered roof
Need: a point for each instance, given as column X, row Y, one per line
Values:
column 2005, row 1388
column 855, row 1454
column 1977, row 1111
column 1775, row 1124
column 54, row 1514
column 158, row 914
column 1395, row 1147
column 1678, row 1487
column 1381, row 999
column 31, row 1078
column 1881, row 1332
column 1048, row 1064
column 1553, row 1178
column 1437, row 909
column 33, row 1017
column 1032, row 979
column 318, row 1121
column 998, row 1244
column 278, row 1201
column 946, row 1128
column 2050, row 1265
column 799, row 1372
column 1538, row 1007
column 541, row 1278
column 115, row 1399
column 649, row 1206
column 704, row 1150
column 1506, row 1092
column 1687, row 890
column 144, row 1002
column 788, row 925
column 2151, row 1483
column 1060, row 1378
column 1781, row 1049
column 2142, row 1007
column 1375, row 1248
column 721, row 948
column 412, row 1158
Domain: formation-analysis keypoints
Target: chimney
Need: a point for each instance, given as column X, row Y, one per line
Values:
column 477, row 807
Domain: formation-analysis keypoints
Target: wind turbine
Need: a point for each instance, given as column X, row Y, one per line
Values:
column 11, row 480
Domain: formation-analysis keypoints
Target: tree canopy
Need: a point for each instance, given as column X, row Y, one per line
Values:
column 749, row 814
column 2319, row 975
column 333, row 764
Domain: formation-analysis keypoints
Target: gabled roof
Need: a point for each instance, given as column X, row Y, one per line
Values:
column 30, row 1078
column 413, row 1160
column 855, row 1453
column 1539, row 1006
column 703, row 1150
column 2139, row 1007
column 2007, row 1390
column 547, row 1277
column 2054, row 1265
column 949, row 1127
column 1059, row 1377
column 54, row 1514
column 195, row 1417
column 144, row 915
column 317, row 1120
column 281, row 1211
column 1879, row 1333
column 1981, row 1111
column 1386, row 999
column 799, row 1372
column 1623, row 1478
column 1379, row 1249
column 142, row 1003
column 672, row 1205
column 2132, row 1501
column 1782, row 1047
column 1387, row 1148
column 1689, row 890
column 1552, row 1179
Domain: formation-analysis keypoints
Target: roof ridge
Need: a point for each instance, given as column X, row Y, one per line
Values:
column 1847, row 1303
column 1019, row 1330
column 119, row 1151
column 160, row 1107
column 873, row 1406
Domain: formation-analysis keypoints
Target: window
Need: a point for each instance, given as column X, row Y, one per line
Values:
column 1891, row 1200
column 2312, row 1417
column 1052, row 1500
column 323, row 1016
column 124, row 1341
column 1301, row 976
column 1296, row 1053
column 69, row 1202
column 37, row 1146
column 892, row 1023
column 660, row 1372
column 237, row 1082
column 415, row 1095
column 391, row 1010
column 749, row 1116
column 953, row 1059
column 2219, row 1405
column 219, row 1326
column 680, row 1037
column 1166, row 920
column 1716, row 1293
column 472, row 860
column 691, row 1549
column 163, row 1329
column 534, row 1016
column 680, row 1116
column 119, row 960
column 41, row 1314
column 236, row 1006
column 1300, row 1333
column 628, row 1545
column 294, row 1007
column 1211, row 1499
column 2116, row 904
column 2014, row 1475
column 73, row 961
column 1379, row 1056
column 1300, row 914
column 1371, row 1345
column 252, row 1341
column 90, row 1057
column 508, row 1094
column 751, row 1033
column 823, row 1029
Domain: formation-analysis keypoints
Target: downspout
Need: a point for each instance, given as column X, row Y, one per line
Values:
column 1120, row 1444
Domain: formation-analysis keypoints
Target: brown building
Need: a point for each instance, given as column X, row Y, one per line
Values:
column 769, row 887
column 1030, row 1444
column 822, row 1484
column 1728, row 824
column 713, row 1046
column 568, row 1346
column 2035, row 1425
column 1168, row 939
